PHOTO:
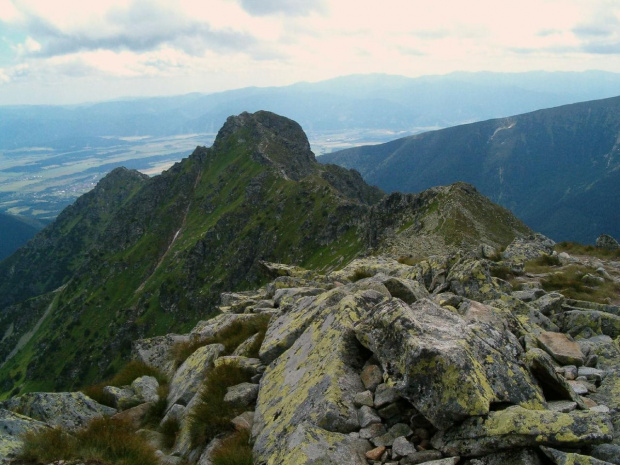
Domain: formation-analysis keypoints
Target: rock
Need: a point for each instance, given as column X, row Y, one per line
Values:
column 563, row 406
column 251, row 365
column 188, row 378
column 471, row 279
column 134, row 415
column 122, row 397
column 244, row 349
column 288, row 296
column 70, row 410
column 568, row 458
column 528, row 295
column 12, row 428
column 554, row 386
column 579, row 388
column 286, row 328
column 446, row 461
column 588, row 323
column 308, row 444
column 518, row 427
column 245, row 421
column 424, row 456
column 522, row 250
column 407, row 290
column 157, row 351
column 371, row 376
column 607, row 452
column 146, row 388
column 241, row 395
column 207, row 454
column 592, row 374
column 607, row 242
column 210, row 328
column 549, row 304
column 363, row 398
column 367, row 416
column 165, row 459
column 447, row 369
column 570, row 372
column 372, row 431
column 385, row 395
column 401, row 447
column 561, row 348
column 376, row 453
column 516, row 457
column 174, row 413
column 314, row 383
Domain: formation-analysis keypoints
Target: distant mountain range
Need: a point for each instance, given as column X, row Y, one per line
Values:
column 556, row 169
column 371, row 102
column 15, row 231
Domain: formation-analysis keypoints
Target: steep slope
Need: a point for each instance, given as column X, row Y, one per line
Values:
column 159, row 259
column 15, row 231
column 554, row 168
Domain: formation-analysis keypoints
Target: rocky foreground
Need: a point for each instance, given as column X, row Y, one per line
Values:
column 434, row 362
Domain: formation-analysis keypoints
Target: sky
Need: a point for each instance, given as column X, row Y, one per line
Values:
column 70, row 51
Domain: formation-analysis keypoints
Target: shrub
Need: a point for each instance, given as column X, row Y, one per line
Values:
column 234, row 450
column 124, row 377
column 156, row 412
column 230, row 337
column 48, row 444
column 170, row 430
column 212, row 416
column 542, row 264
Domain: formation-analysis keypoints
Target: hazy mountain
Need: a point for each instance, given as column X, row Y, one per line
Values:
column 15, row 231
column 556, row 169
column 144, row 256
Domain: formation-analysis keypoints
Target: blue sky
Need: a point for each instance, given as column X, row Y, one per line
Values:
column 70, row 51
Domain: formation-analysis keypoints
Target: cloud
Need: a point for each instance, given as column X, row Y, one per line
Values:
column 285, row 7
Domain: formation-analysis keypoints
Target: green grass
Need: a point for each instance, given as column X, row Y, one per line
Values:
column 569, row 283
column 234, row 450
column 212, row 416
column 574, row 248
column 542, row 264
column 111, row 441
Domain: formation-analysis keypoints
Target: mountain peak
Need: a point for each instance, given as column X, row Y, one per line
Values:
column 273, row 139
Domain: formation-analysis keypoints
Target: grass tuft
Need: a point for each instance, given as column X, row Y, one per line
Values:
column 575, row 248
column 105, row 439
column 569, row 282
column 360, row 274
column 234, row 450
column 212, row 416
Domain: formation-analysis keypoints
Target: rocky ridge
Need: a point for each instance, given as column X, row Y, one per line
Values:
column 384, row 362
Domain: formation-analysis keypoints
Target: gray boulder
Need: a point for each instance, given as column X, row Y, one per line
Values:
column 241, row 395
column 559, row 457
column 447, row 369
column 69, row 410
column 605, row 241
column 156, row 351
column 517, row 427
column 146, row 388
column 12, row 428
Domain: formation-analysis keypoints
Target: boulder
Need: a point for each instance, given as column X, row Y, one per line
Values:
column 241, row 395
column 588, row 323
column 517, row 427
column 522, row 249
column 134, row 415
column 516, row 457
column 209, row 328
column 570, row 458
column 605, row 241
column 549, row 304
column 607, row 452
column 310, row 388
column 470, row 278
column 245, row 421
column 407, row 290
column 12, row 428
column 244, row 349
column 156, row 351
column 121, row 398
column 69, row 410
column 189, row 376
column 371, row 376
column 146, row 388
column 561, row 348
column 447, row 369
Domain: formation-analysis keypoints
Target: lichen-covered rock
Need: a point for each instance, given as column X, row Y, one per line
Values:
column 70, row 410
column 245, row 421
column 12, row 428
column 308, row 444
column 588, row 323
column 518, row 427
column 549, row 304
column 157, row 351
column 313, row 383
column 554, row 386
column 607, row 452
column 145, row 388
column 516, row 457
column 407, row 290
column 241, row 395
column 121, row 398
column 371, row 266
column 570, row 458
column 252, row 365
column 447, row 369
column 245, row 348
column 189, row 376
column 523, row 249
column 605, row 241
column 286, row 328
column 471, row 279
column 561, row 348
column 209, row 328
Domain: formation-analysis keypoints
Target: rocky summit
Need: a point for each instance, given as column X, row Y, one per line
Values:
column 446, row 333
